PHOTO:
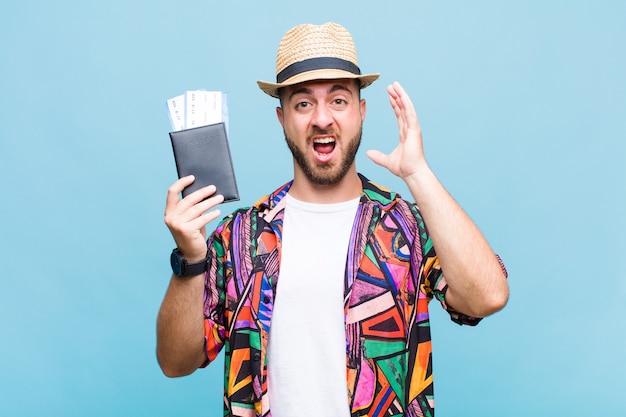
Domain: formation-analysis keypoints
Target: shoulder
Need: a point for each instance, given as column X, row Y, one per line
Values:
column 384, row 198
column 404, row 214
column 265, row 210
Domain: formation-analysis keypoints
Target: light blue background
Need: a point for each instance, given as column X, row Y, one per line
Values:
column 522, row 105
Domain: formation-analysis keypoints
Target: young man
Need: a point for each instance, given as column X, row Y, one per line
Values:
column 319, row 292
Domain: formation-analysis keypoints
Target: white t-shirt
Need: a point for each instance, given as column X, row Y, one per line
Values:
column 307, row 341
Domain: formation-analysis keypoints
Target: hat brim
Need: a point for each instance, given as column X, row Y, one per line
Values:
column 320, row 74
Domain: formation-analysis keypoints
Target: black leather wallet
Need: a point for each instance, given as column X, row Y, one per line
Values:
column 204, row 152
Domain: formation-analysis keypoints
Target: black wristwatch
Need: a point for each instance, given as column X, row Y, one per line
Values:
column 181, row 268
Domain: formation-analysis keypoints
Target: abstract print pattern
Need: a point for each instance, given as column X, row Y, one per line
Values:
column 387, row 314
column 392, row 273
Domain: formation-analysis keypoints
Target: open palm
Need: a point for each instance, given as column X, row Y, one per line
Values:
column 406, row 158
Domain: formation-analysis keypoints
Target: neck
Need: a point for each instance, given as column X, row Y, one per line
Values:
column 348, row 188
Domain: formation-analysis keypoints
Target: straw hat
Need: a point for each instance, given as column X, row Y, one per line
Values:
column 315, row 52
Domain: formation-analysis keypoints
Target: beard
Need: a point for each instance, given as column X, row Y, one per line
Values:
column 328, row 173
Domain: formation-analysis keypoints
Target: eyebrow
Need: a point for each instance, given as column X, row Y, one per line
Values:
column 301, row 90
column 332, row 89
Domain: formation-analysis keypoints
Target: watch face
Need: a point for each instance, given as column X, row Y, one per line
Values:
column 177, row 263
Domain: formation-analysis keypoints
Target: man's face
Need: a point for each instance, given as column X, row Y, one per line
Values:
column 322, row 121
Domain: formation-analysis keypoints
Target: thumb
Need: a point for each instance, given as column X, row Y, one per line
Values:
column 378, row 157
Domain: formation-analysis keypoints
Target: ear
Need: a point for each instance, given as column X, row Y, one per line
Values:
column 363, row 107
column 279, row 114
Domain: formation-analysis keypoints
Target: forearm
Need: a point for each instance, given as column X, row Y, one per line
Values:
column 476, row 283
column 180, row 327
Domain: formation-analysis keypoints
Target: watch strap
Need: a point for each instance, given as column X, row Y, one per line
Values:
column 190, row 270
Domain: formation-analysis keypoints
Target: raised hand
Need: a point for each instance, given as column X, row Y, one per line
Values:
column 187, row 218
column 407, row 158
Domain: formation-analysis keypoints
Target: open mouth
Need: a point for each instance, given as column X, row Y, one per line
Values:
column 324, row 146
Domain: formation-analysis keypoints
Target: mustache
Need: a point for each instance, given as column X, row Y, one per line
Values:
column 323, row 132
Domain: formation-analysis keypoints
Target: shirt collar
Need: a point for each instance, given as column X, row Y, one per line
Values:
column 372, row 193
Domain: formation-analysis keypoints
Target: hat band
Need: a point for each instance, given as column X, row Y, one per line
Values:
column 315, row 64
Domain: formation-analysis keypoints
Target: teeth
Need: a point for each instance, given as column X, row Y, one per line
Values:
column 324, row 140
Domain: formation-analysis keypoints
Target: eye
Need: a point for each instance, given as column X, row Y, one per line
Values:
column 339, row 103
column 302, row 105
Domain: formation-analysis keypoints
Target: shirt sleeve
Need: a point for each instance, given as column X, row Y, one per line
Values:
column 439, row 291
column 215, row 293
column 433, row 278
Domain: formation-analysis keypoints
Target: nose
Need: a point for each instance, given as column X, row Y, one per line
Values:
column 322, row 117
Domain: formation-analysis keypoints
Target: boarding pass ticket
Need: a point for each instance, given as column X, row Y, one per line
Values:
column 197, row 108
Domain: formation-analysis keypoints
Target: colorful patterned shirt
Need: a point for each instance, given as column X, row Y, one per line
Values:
column 392, row 273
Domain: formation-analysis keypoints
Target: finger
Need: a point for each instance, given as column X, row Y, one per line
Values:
column 393, row 101
column 198, row 196
column 181, row 205
column 200, row 222
column 392, row 90
column 399, row 117
column 189, row 227
column 173, row 193
column 394, row 98
column 188, row 213
column 406, row 105
column 203, row 206
column 377, row 157
column 400, row 100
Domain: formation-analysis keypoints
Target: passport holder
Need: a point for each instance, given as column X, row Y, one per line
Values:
column 204, row 152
